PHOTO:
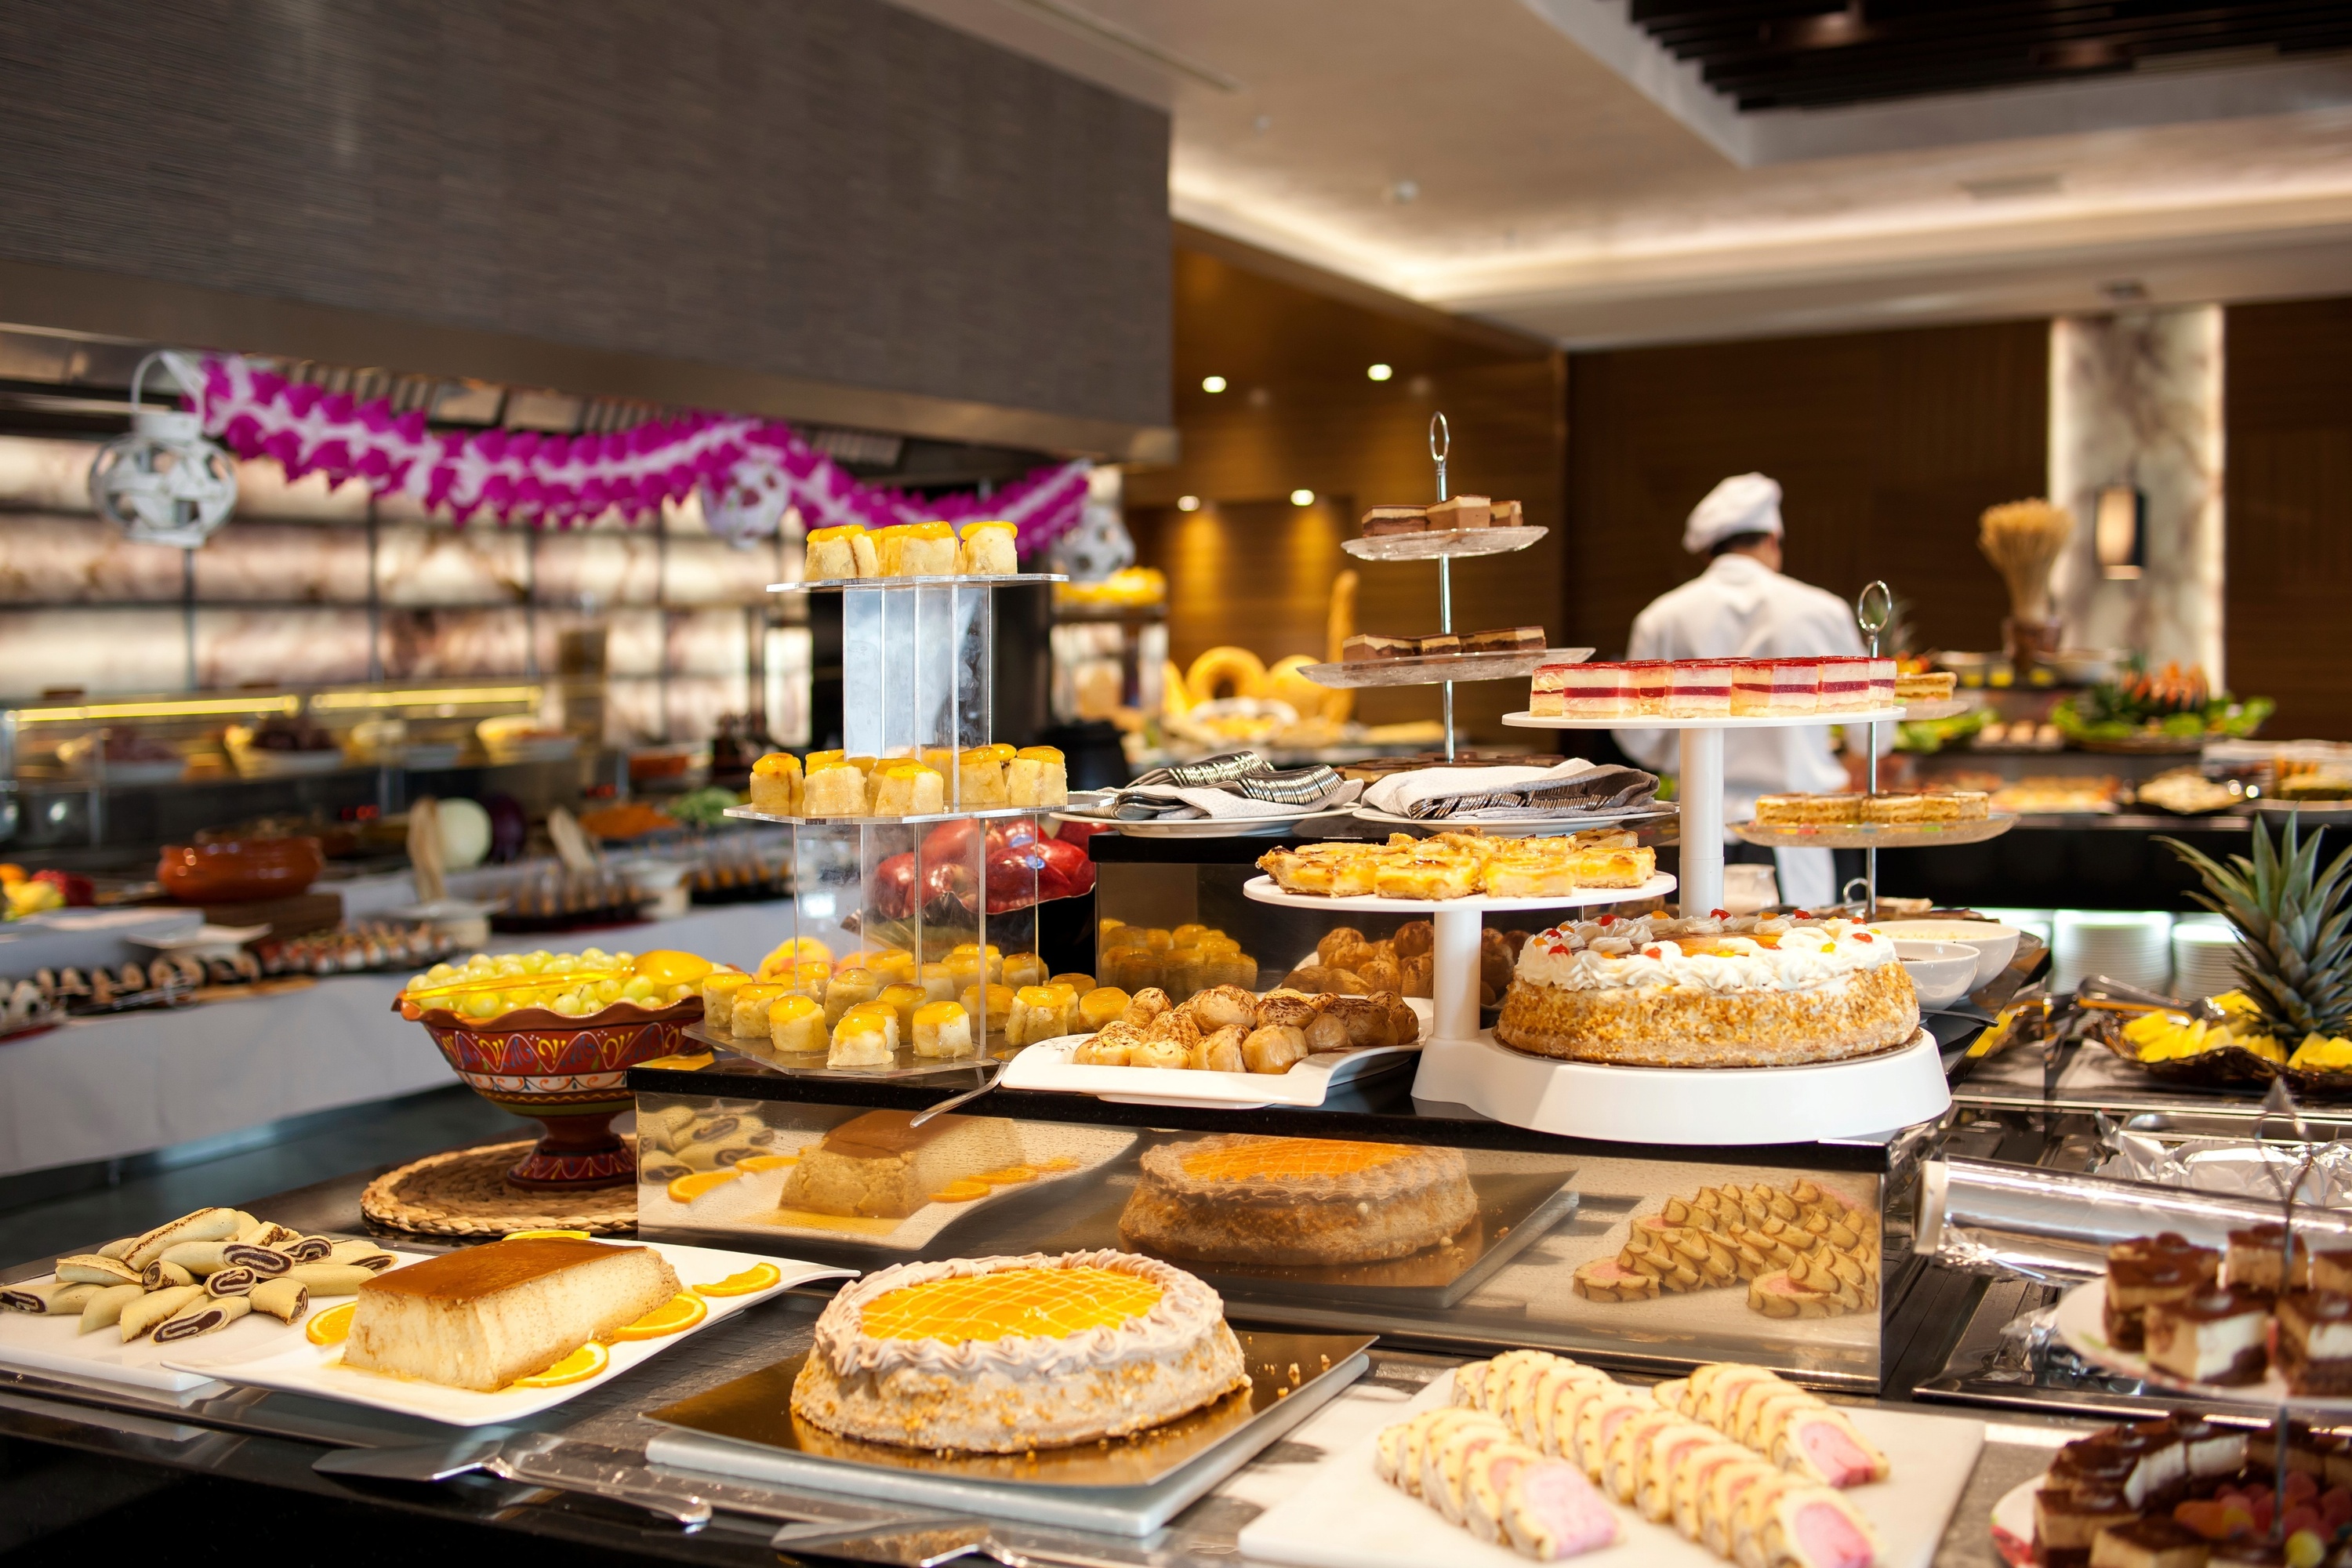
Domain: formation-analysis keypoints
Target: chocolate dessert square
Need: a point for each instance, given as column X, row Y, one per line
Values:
column 2165, row 1268
column 2315, row 1346
column 1510, row 639
column 2219, row 1336
column 2257, row 1260
column 2212, row 1450
column 1437, row 643
column 2159, row 1463
column 2156, row 1542
column 2065, row 1523
column 1396, row 520
column 1506, row 514
column 1460, row 512
column 1366, row 646
column 2332, row 1271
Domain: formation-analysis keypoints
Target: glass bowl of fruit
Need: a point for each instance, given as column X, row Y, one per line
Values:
column 551, row 1036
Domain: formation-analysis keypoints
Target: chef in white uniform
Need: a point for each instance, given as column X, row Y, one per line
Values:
column 1742, row 607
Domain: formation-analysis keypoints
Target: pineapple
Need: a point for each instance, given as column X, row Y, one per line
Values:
column 2295, row 967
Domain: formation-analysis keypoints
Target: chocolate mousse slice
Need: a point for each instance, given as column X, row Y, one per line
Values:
column 2257, row 1260
column 2160, row 1464
column 2212, row 1450
column 1372, row 645
column 2166, row 1268
column 2332, row 1270
column 2065, row 1523
column 2219, row 1336
column 2094, row 1464
column 1396, row 520
column 2314, row 1342
column 2154, row 1542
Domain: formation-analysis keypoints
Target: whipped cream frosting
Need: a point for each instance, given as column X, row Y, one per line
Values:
column 1175, row 1323
column 1746, row 953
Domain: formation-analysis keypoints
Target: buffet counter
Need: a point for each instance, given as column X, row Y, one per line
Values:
column 99, row 1089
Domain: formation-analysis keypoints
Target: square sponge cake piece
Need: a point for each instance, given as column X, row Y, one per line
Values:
column 484, row 1316
column 878, row 1166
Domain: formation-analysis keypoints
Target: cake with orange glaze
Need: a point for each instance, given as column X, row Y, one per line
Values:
column 1237, row 1198
column 1001, row 1355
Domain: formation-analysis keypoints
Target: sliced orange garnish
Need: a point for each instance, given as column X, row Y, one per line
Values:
column 961, row 1192
column 578, row 1367
column 767, row 1162
column 545, row 1235
column 1011, row 1176
column 331, row 1326
column 675, row 1316
column 759, row 1277
column 1058, row 1162
column 686, row 1189
column 681, row 1063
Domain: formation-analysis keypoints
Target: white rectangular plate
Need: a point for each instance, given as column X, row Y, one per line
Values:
column 1047, row 1066
column 750, row 1202
column 1346, row 1517
column 284, row 1360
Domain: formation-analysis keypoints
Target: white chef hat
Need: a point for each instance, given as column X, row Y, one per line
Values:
column 1744, row 503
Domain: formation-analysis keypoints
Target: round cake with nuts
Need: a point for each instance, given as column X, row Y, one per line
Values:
column 1236, row 1198
column 1001, row 1355
column 1777, row 991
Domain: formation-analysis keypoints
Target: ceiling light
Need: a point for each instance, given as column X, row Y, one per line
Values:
column 1404, row 191
column 1302, row 498
column 1187, row 503
column 1379, row 371
column 1212, row 384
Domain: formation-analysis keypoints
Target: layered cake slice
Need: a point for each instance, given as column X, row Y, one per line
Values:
column 1365, row 646
column 1652, row 678
column 879, row 1166
column 2152, row 1542
column 1595, row 690
column 1510, row 639
column 2314, row 1342
column 481, row 1318
column 1882, row 683
column 2257, row 1260
column 1699, row 688
column 1796, row 684
column 2066, row 1522
column 1844, row 686
column 1396, row 520
column 2218, row 1336
column 2149, row 1272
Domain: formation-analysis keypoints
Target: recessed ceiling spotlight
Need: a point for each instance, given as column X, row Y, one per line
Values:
column 1212, row 384
column 1262, row 124
column 1404, row 191
column 1187, row 503
column 1379, row 371
column 1302, row 498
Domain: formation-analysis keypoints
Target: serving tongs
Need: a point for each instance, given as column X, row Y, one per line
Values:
column 2100, row 994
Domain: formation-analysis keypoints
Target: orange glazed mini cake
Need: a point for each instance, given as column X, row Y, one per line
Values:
column 1236, row 1198
column 1001, row 1355
column 1715, row 992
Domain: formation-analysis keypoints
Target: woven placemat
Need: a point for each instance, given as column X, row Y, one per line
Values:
column 465, row 1191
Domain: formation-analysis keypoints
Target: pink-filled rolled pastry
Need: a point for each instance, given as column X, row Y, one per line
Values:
column 1552, row 1512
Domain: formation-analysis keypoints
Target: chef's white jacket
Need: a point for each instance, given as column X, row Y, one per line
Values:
column 1740, row 608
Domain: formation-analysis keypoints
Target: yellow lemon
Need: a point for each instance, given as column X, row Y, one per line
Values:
column 674, row 1316
column 578, row 1367
column 331, row 1326
column 545, row 1235
column 686, row 1189
column 767, row 1162
column 667, row 967
column 759, row 1277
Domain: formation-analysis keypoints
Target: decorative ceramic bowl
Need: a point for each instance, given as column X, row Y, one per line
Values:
column 239, row 870
column 569, row 1075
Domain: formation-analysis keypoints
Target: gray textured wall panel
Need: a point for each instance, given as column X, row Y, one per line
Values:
column 830, row 189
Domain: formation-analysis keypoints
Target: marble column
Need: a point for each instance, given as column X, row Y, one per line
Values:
column 2135, row 399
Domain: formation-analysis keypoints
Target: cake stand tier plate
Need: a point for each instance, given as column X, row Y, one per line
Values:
column 2081, row 1323
column 1447, row 544
column 1529, row 721
column 1431, row 668
column 1873, row 835
column 1456, row 924
column 1046, row 1066
column 1691, row 1106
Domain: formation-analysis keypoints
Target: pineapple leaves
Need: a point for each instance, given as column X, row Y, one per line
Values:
column 2296, row 922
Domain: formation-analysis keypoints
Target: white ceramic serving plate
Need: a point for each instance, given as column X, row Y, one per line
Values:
column 1941, row 972
column 1346, row 1517
column 290, row 1363
column 1995, row 944
column 1047, row 1066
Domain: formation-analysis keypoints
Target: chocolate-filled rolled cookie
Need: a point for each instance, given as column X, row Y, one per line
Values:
column 284, row 1299
column 202, row 1316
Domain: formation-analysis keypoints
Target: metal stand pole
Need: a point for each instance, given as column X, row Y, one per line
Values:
column 1440, row 442
column 1873, row 608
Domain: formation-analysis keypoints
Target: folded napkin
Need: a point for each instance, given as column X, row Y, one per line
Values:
column 1574, row 788
column 1238, row 786
column 1177, row 802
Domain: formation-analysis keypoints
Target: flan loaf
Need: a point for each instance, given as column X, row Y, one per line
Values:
column 484, row 1316
column 879, row 1166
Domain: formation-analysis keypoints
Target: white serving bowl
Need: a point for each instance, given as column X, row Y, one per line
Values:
column 1995, row 944
column 1941, row 972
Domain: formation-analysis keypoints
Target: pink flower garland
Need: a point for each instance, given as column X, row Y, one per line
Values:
column 567, row 481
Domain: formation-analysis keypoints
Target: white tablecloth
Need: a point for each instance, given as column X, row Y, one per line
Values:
column 101, row 1088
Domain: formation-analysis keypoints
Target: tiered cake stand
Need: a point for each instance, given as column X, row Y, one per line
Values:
column 916, row 654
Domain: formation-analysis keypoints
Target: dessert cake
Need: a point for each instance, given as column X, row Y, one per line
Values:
column 2314, row 1342
column 1770, row 686
column 1699, row 688
column 1396, row 520
column 1236, row 1198
column 1510, row 639
column 1458, row 865
column 1586, row 691
column 1713, row 993
column 2257, row 1260
column 2149, row 1272
column 2219, row 1336
column 1002, row 1355
column 879, row 1166
column 484, row 1316
column 2171, row 1491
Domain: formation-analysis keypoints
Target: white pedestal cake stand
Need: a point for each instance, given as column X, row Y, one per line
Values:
column 1700, row 787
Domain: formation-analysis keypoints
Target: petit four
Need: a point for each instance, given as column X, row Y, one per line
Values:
column 776, row 785
column 916, row 550
column 2219, row 1335
column 1396, row 520
column 990, row 550
column 2148, row 1271
column 843, row 552
column 2314, row 1342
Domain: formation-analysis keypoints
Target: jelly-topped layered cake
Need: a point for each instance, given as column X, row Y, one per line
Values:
column 1236, row 1198
column 1002, row 1355
column 2154, row 1268
column 1652, row 678
column 1882, row 682
column 1587, row 691
column 1844, row 686
column 1700, row 689
column 483, row 1317
column 1768, row 686
column 1737, row 992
